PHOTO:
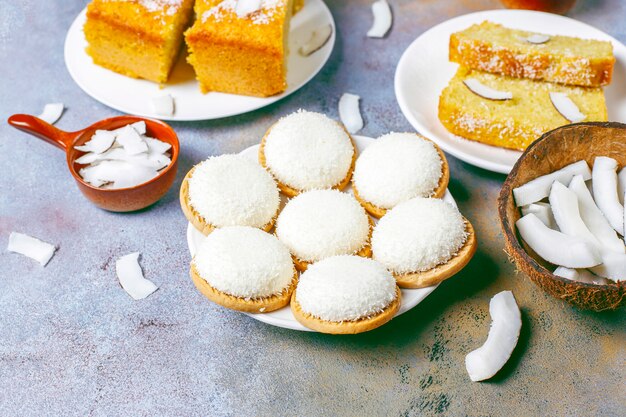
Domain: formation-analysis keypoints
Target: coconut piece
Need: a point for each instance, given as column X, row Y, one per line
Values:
column 564, row 205
column 539, row 188
column 605, row 191
column 87, row 158
column 131, row 277
column 32, row 247
column 621, row 185
column 318, row 39
column 506, row 323
column 52, row 112
column 140, row 127
column 349, row 112
column 247, row 7
column 551, row 245
column 100, row 142
column 543, row 211
column 119, row 174
column 163, row 105
column 131, row 141
column 613, row 266
column 155, row 145
column 593, row 217
column 537, row 38
column 568, row 109
column 580, row 275
column 487, row 92
column 382, row 19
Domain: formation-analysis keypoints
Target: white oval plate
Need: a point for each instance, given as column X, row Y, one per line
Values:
column 284, row 317
column 133, row 96
column 424, row 70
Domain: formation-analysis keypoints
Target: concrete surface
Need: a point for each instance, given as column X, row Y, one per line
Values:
column 72, row 342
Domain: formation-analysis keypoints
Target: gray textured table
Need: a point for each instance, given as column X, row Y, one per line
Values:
column 72, row 342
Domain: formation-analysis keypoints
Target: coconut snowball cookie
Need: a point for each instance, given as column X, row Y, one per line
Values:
column 423, row 241
column 322, row 223
column 245, row 269
column 229, row 190
column 345, row 294
column 398, row 167
column 306, row 151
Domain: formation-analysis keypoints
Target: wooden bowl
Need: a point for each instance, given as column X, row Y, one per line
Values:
column 120, row 199
column 552, row 151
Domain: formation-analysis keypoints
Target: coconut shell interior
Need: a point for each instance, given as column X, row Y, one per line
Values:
column 554, row 150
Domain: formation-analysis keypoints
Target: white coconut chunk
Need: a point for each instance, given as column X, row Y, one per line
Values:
column 140, row 127
column 568, row 109
column 564, row 203
column 32, row 247
column 131, row 277
column 539, row 188
column 537, row 38
column 120, row 174
column 52, row 112
column 349, row 112
column 247, row 7
column 613, row 266
column 543, row 211
column 382, row 19
column 100, row 142
column 155, row 145
column 506, row 323
column 163, row 105
column 580, row 275
column 485, row 91
column 605, row 191
column 621, row 185
column 593, row 217
column 318, row 39
column 132, row 141
column 551, row 245
column 87, row 158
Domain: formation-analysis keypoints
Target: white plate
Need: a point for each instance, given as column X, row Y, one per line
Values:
column 284, row 317
column 424, row 70
column 133, row 96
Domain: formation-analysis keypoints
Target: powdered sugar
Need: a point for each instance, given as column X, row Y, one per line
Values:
column 228, row 8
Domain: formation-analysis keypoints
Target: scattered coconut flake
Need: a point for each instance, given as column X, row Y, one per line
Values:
column 32, row 247
column 564, row 203
column 484, row 91
column 539, row 188
column 382, row 19
column 605, row 191
column 568, row 109
column 349, row 112
column 537, row 38
column 100, row 142
column 543, row 211
column 506, row 323
column 247, row 7
column 131, row 141
column 550, row 244
column 52, row 112
column 131, row 277
column 163, row 105
column 318, row 39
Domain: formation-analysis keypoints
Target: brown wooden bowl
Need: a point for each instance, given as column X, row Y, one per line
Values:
column 552, row 151
column 121, row 199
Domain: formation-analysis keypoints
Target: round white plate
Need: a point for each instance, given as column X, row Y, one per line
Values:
column 134, row 96
column 424, row 70
column 284, row 317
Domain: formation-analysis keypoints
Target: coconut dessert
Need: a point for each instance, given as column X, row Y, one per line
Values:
column 397, row 168
column 229, row 190
column 245, row 269
column 345, row 294
column 323, row 223
column 306, row 151
column 423, row 241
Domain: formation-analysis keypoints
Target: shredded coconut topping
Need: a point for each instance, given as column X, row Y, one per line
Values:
column 396, row 168
column 345, row 288
column 418, row 235
column 244, row 262
column 232, row 190
column 169, row 6
column 307, row 150
column 323, row 223
column 228, row 9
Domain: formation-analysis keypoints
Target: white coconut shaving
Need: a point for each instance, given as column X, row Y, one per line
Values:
column 323, row 223
column 543, row 211
column 32, row 247
column 580, row 275
column 307, row 151
column 621, row 185
column 484, row 91
column 506, row 323
column 258, row 14
column 345, row 288
column 131, row 141
column 100, row 142
column 349, row 112
column 564, row 204
column 382, row 19
column 131, row 277
column 605, row 191
column 52, row 112
column 568, row 109
column 163, row 104
column 232, row 190
column 613, row 266
column 397, row 167
column 318, row 39
column 244, row 262
column 418, row 235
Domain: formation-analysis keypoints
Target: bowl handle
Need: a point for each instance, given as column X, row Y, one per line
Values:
column 43, row 130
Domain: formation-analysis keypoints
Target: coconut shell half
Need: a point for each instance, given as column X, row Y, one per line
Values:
column 553, row 151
